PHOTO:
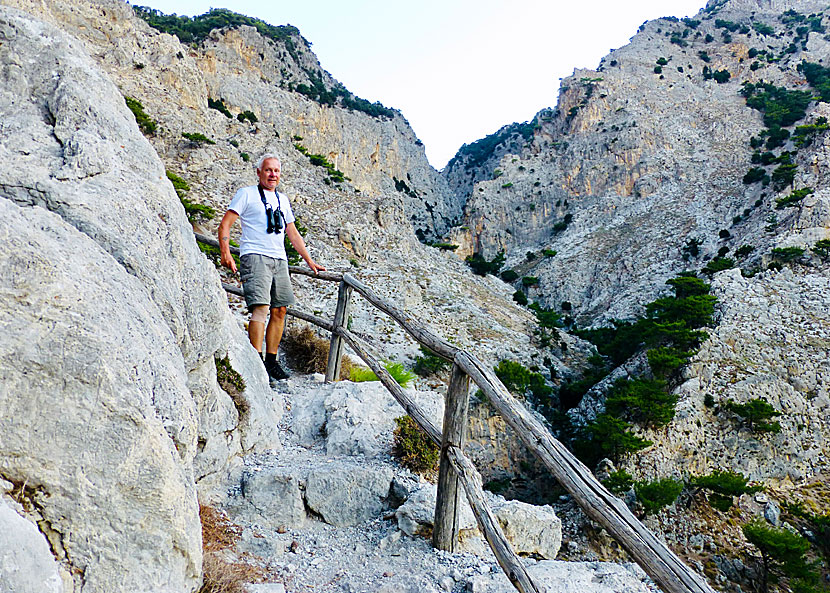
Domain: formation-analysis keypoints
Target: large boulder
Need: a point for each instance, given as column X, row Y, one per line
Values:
column 112, row 320
column 531, row 530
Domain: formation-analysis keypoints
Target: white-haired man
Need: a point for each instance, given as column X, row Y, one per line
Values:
column 266, row 218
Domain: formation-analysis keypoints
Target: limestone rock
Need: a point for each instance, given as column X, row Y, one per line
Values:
column 276, row 496
column 27, row 563
column 530, row 529
column 354, row 418
column 113, row 319
column 348, row 495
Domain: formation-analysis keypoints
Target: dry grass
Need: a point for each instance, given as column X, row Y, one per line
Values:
column 308, row 353
column 220, row 574
column 218, row 532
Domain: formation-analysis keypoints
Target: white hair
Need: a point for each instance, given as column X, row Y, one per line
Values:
column 264, row 158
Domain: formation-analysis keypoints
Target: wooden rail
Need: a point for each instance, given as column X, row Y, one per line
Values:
column 658, row 561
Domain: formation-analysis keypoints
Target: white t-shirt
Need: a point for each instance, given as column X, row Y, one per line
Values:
column 248, row 204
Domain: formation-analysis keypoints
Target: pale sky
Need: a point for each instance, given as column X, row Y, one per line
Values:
column 458, row 70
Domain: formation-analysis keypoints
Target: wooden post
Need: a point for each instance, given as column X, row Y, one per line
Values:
column 341, row 316
column 456, row 404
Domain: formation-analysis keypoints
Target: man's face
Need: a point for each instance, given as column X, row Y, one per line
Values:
column 269, row 175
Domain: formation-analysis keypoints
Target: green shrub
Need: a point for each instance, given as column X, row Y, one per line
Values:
column 612, row 437
column 548, row 252
column 719, row 264
column 509, row 276
column 179, row 184
column 763, row 28
column 783, row 176
column 518, row 379
column 399, row 374
column 658, row 69
column 787, row 254
column 662, row 61
column 413, row 447
column 725, row 485
column 144, row 121
column 249, row 115
column 665, row 361
column 756, row 414
column 546, row 318
column 793, row 199
column 245, row 156
column 482, row 267
column 429, row 363
column 520, row 297
column 783, row 553
column 197, row 138
column 754, row 175
column 644, row 401
column 619, row 482
column 744, row 250
column 233, row 384
column 658, row 494
column 780, row 106
column 721, row 76
column 219, row 106
column 530, row 281
column 822, row 248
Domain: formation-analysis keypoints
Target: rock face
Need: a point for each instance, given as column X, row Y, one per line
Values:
column 771, row 343
column 112, row 318
column 643, row 155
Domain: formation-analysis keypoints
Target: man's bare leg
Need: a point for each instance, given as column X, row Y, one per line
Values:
column 256, row 326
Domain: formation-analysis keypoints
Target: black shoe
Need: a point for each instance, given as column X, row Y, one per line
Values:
column 276, row 372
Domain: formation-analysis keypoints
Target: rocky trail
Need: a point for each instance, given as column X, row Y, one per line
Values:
column 334, row 511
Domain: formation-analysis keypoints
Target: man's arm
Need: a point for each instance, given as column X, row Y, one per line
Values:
column 297, row 241
column 224, row 236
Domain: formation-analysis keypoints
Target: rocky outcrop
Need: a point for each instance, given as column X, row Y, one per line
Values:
column 771, row 343
column 645, row 154
column 112, row 322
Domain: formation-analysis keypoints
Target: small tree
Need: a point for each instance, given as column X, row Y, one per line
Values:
column 822, row 248
column 611, row 437
column 756, row 413
column 643, row 400
column 619, row 482
column 656, row 495
column 724, row 485
column 782, row 554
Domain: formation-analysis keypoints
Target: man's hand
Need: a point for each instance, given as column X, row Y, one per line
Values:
column 315, row 267
column 228, row 261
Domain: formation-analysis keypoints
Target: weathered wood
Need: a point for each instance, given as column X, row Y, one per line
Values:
column 456, row 403
column 330, row 276
column 659, row 562
column 489, row 526
column 418, row 331
column 341, row 315
column 233, row 289
column 319, row 321
column 362, row 350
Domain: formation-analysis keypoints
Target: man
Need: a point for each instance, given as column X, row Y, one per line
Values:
column 266, row 218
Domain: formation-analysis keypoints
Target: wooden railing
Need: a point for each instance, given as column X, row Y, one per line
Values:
column 658, row 561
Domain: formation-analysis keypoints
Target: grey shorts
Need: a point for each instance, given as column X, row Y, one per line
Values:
column 265, row 281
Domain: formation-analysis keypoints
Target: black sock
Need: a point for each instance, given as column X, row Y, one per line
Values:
column 261, row 356
column 270, row 358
